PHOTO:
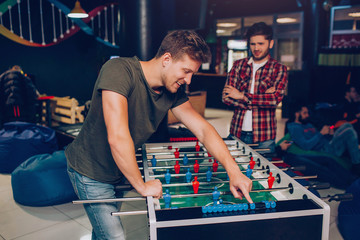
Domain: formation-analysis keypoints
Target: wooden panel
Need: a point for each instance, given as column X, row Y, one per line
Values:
column 197, row 100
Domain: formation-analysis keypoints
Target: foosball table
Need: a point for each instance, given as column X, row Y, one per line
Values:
column 197, row 202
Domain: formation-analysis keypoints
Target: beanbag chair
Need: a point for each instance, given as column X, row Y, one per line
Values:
column 21, row 140
column 42, row 180
column 294, row 149
column 327, row 167
column 349, row 214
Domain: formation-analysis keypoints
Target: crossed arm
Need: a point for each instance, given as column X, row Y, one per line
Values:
column 270, row 99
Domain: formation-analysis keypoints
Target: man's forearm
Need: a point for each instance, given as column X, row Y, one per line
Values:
column 123, row 153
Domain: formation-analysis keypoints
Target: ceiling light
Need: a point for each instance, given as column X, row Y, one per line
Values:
column 354, row 14
column 286, row 20
column 77, row 11
column 226, row 24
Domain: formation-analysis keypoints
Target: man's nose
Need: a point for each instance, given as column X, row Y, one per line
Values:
column 187, row 79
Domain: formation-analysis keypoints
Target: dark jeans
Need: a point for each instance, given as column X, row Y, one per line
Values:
column 345, row 139
column 247, row 137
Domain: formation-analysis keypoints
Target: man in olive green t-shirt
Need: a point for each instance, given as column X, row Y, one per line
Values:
column 129, row 100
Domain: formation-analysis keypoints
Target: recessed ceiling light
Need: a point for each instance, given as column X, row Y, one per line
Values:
column 220, row 31
column 354, row 14
column 226, row 24
column 285, row 20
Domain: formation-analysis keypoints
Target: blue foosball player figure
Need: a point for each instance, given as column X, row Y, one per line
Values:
column 216, row 195
column 167, row 199
column 249, row 171
column 188, row 176
column 185, row 159
column 167, row 176
column 153, row 161
column 208, row 174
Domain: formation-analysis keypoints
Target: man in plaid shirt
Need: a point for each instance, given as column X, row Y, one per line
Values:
column 254, row 87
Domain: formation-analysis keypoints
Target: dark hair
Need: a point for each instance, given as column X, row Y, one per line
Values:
column 296, row 107
column 181, row 42
column 260, row 28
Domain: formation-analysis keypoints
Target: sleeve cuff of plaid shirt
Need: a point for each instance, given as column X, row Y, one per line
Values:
column 249, row 97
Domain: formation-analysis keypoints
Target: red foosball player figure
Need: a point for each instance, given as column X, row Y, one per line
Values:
column 271, row 180
column 197, row 146
column 209, row 155
column 215, row 166
column 177, row 167
column 252, row 163
column 196, row 184
column 196, row 166
column 177, row 153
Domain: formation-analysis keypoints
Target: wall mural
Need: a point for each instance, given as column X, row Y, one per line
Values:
column 45, row 23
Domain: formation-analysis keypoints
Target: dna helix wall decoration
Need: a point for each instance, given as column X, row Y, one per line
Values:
column 25, row 22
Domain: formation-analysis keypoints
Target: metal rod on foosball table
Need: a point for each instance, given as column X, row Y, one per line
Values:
column 190, row 158
column 228, row 192
column 219, row 182
column 203, row 165
column 294, row 177
column 109, row 200
column 202, row 174
column 129, row 213
column 169, row 147
column 197, row 152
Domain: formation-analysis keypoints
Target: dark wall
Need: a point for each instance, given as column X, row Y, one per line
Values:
column 329, row 83
column 67, row 69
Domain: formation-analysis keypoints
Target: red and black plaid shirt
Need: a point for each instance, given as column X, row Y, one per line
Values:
column 263, row 105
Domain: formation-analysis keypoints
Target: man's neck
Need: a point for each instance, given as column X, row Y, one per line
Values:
column 151, row 72
column 261, row 60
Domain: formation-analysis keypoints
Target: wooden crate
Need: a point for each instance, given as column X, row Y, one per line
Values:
column 63, row 110
column 197, row 100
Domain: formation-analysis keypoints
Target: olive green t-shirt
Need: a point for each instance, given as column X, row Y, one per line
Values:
column 89, row 154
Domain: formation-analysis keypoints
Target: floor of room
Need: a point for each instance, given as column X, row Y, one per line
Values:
column 69, row 221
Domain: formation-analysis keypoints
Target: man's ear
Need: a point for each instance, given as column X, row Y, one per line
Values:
column 271, row 44
column 166, row 59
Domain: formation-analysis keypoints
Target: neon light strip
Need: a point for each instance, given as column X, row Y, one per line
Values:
column 81, row 24
column 4, row 5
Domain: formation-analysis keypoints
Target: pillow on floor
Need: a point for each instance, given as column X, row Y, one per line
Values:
column 42, row 180
column 21, row 140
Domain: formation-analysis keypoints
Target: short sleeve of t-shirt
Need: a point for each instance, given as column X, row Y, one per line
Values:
column 116, row 75
column 181, row 97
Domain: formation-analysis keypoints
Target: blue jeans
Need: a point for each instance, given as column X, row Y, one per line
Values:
column 247, row 137
column 345, row 138
column 105, row 226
